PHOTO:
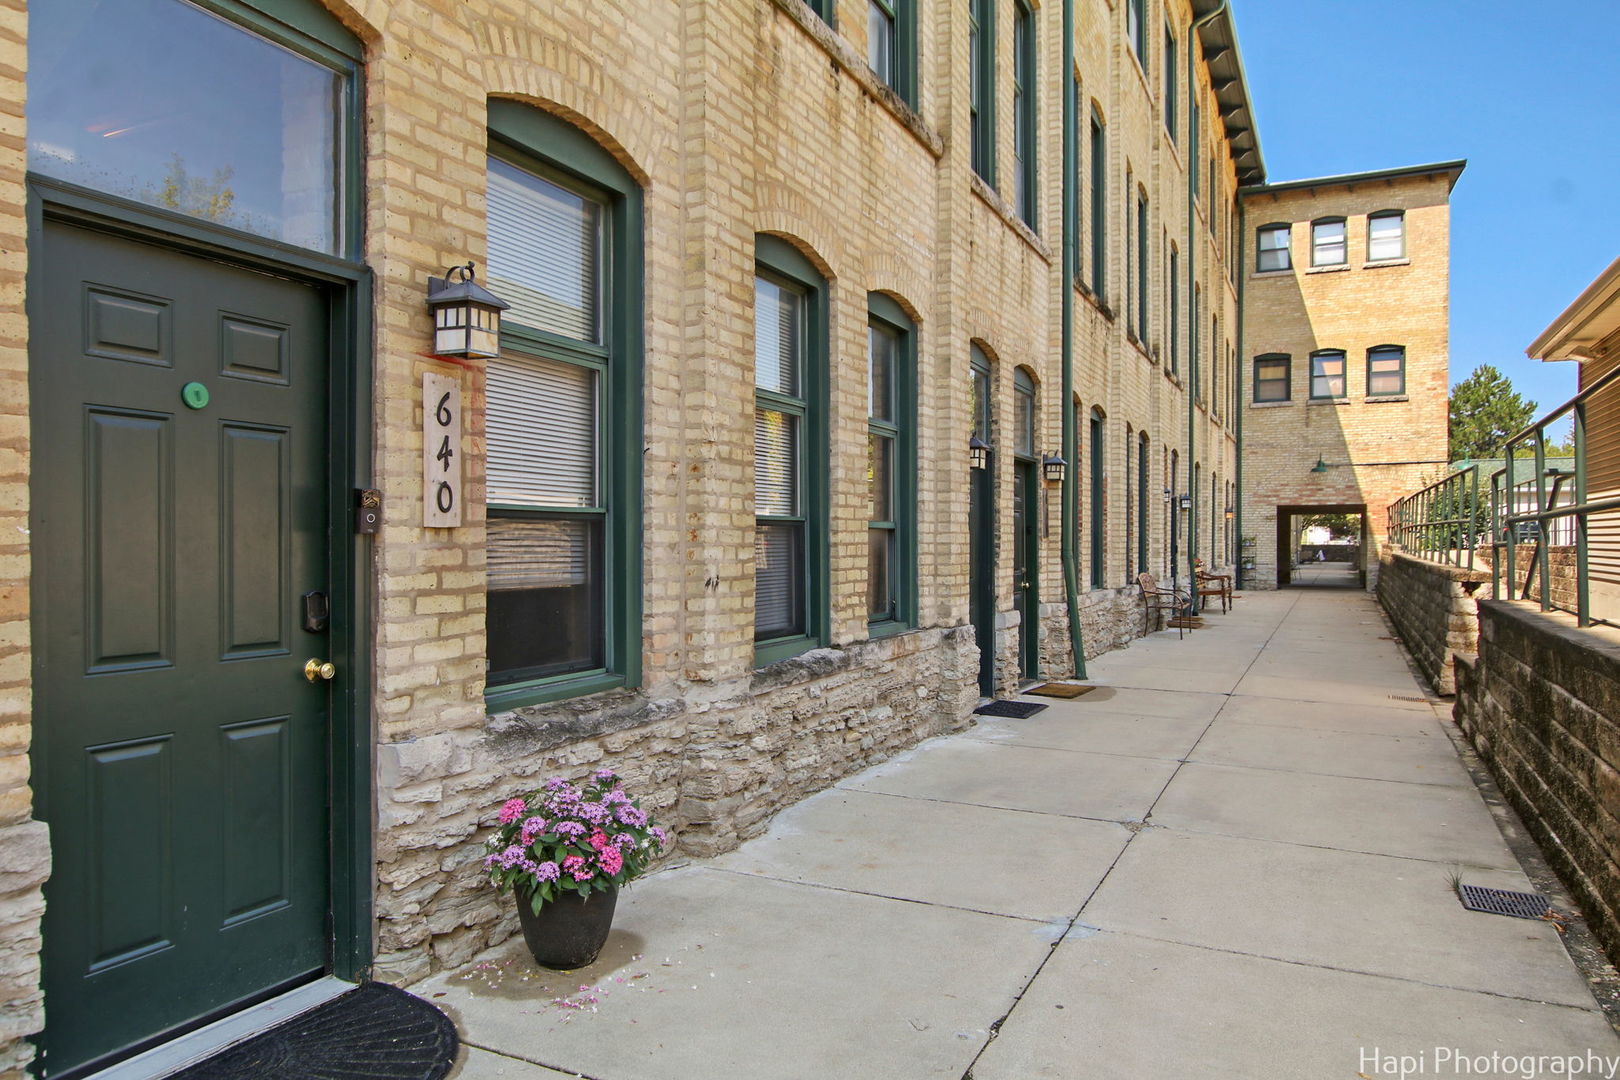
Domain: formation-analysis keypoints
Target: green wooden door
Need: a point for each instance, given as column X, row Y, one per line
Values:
column 981, row 569
column 180, row 753
column 1026, row 566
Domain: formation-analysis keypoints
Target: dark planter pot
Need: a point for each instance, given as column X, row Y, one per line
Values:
column 570, row 931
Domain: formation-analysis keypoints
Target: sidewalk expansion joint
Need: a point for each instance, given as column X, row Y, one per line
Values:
column 758, row 876
column 508, row 1055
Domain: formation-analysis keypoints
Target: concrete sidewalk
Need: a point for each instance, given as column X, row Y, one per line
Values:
column 1234, row 861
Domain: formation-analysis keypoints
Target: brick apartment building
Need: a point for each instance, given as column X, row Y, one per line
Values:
column 777, row 271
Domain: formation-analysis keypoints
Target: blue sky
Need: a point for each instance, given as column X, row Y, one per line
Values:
column 1529, row 94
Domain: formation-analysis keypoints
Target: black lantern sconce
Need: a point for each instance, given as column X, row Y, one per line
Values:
column 1229, row 512
column 1184, row 503
column 1052, row 466
column 466, row 316
column 978, row 453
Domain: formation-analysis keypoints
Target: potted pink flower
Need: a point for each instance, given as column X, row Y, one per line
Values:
column 564, row 851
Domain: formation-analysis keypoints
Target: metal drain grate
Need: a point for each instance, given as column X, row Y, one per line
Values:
column 1406, row 697
column 1520, row 905
column 1015, row 710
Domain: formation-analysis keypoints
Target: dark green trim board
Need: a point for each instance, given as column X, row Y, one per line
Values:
column 775, row 257
column 545, row 144
column 903, row 431
column 1026, row 139
column 1099, row 451
column 1099, row 208
column 1170, row 87
column 982, row 102
column 1069, row 500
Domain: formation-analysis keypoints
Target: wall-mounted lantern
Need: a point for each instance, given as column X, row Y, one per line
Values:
column 1052, row 465
column 1185, row 503
column 1229, row 513
column 466, row 316
column 1167, row 496
column 978, row 453
column 1321, row 465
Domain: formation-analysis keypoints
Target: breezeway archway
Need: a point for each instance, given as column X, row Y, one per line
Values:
column 1337, row 559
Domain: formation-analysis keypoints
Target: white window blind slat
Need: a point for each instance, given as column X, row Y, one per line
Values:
column 776, row 337
column 776, row 473
column 777, row 604
column 544, row 252
column 540, row 427
column 529, row 554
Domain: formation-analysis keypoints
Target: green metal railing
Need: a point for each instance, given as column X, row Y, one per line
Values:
column 1525, row 502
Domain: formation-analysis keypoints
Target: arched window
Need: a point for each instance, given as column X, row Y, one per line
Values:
column 1328, row 246
column 563, row 412
column 1386, row 371
column 1386, row 235
column 891, row 470
column 1099, row 501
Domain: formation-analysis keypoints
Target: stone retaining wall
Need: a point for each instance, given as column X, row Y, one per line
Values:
column 1541, row 703
column 1433, row 609
column 1560, row 571
column 713, row 766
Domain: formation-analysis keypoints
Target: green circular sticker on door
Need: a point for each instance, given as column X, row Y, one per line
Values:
column 195, row 395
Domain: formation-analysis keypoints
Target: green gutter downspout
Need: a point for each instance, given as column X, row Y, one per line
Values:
column 1071, row 475
column 1238, row 404
column 1192, row 331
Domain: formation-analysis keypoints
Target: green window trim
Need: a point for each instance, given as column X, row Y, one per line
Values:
column 826, row 10
column 1174, row 312
column 1136, row 29
column 1269, row 363
column 982, row 110
column 518, row 132
column 1073, row 237
column 1170, row 82
column 1025, row 114
column 1281, row 255
column 1320, row 359
column 1386, row 353
column 1142, row 268
column 1398, row 216
column 1142, row 464
column 1099, row 207
column 1098, row 508
column 901, row 431
column 902, row 78
column 1322, row 242
column 775, row 258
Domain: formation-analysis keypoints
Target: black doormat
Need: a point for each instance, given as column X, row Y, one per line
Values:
column 377, row 1032
column 1016, row 710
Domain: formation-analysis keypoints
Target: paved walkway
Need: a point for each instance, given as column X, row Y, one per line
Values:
column 1232, row 861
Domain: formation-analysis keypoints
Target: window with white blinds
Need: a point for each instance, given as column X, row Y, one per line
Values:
column 545, row 245
column 540, row 423
column 888, row 452
column 1386, row 235
column 779, row 425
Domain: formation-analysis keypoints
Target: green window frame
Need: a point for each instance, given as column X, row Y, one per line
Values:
column 1174, row 312
column 1098, row 509
column 1142, row 268
column 1073, row 237
column 1273, row 378
column 1272, row 248
column 1383, row 241
column 790, row 450
column 826, row 10
column 1329, row 380
column 1192, row 140
column 1142, row 460
column 982, row 105
column 1025, row 132
column 1386, row 371
column 559, row 153
column 891, row 45
column 1330, row 242
column 891, row 467
column 1099, row 206
column 1170, row 81
column 1192, row 335
column 1136, row 29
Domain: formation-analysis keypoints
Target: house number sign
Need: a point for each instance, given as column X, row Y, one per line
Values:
column 441, row 451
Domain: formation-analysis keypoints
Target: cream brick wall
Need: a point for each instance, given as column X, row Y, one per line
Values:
column 737, row 117
column 1353, row 309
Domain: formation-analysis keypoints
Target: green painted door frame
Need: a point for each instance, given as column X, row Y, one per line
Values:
column 347, row 288
column 1027, row 564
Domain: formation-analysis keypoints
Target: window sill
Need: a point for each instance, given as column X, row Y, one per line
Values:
column 1264, row 275
column 1173, row 377
column 887, row 628
column 994, row 201
column 856, row 68
column 1374, row 399
column 1327, row 401
column 542, row 692
column 1375, row 264
column 1270, row 404
column 1334, row 269
column 770, row 652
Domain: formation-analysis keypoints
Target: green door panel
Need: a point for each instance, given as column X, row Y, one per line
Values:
column 1026, row 565
column 180, row 754
column 982, row 568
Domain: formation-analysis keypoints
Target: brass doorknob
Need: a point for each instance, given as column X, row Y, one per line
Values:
column 319, row 669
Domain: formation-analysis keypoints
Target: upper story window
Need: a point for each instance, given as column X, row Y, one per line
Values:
column 1024, row 118
column 1386, row 235
column 166, row 104
column 1327, row 242
column 1142, row 265
column 1273, row 378
column 1023, row 414
column 1099, row 207
column 827, row 9
column 1386, row 371
column 562, row 405
column 1327, row 374
column 891, row 45
column 790, row 452
column 982, row 108
column 1170, row 82
column 1271, row 248
column 1136, row 29
column 891, row 464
